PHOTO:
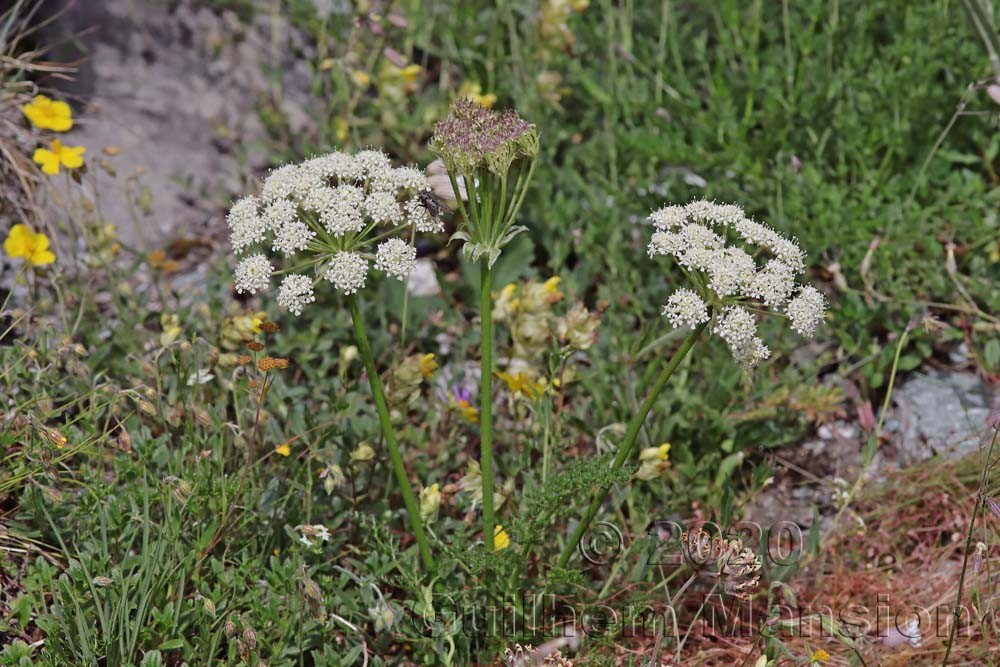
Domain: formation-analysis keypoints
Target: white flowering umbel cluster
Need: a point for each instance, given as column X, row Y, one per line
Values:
column 331, row 216
column 738, row 268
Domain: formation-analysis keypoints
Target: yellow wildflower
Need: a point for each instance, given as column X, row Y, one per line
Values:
column 428, row 365
column 461, row 399
column 48, row 114
column 283, row 449
column 410, row 73
column 819, row 656
column 255, row 323
column 522, row 384
column 33, row 247
column 506, row 303
column 655, row 462
column 361, row 78
column 473, row 91
column 70, row 157
column 501, row 540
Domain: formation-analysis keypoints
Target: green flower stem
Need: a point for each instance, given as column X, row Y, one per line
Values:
column 519, row 191
column 412, row 508
column 625, row 450
column 459, row 200
column 486, row 402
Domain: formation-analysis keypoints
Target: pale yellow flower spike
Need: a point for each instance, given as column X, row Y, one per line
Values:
column 48, row 114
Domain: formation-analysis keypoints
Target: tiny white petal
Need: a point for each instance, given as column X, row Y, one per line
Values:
column 295, row 293
column 253, row 274
column 396, row 258
column 347, row 271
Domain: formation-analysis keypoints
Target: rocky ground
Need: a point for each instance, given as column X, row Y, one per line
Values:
column 176, row 88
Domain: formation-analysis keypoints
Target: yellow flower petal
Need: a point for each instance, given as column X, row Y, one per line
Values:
column 18, row 241
column 501, row 540
column 48, row 160
column 283, row 450
column 72, row 157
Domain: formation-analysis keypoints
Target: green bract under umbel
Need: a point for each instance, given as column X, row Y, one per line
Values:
column 494, row 155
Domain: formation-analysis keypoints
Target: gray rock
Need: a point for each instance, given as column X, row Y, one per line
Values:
column 940, row 414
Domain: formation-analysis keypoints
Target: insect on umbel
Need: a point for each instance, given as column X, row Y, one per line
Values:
column 432, row 203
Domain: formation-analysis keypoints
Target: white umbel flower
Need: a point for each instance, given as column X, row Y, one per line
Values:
column 737, row 327
column 342, row 219
column 708, row 212
column 246, row 227
column 281, row 183
column 684, row 308
column 321, row 199
column 292, row 237
column 805, row 312
column 396, row 258
column 347, row 271
column 418, row 216
column 253, row 274
column 279, row 213
column 340, row 166
column 738, row 267
column 668, row 218
column 751, row 354
column 731, row 271
column 372, row 162
column 295, row 293
column 410, row 178
column 382, row 208
column 773, row 284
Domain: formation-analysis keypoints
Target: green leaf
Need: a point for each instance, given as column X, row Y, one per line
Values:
column 726, row 468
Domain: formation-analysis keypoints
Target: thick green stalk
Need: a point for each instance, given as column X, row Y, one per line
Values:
column 625, row 450
column 412, row 507
column 486, row 401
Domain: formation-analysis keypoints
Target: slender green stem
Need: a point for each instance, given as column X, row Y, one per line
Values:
column 628, row 444
column 486, row 402
column 983, row 485
column 412, row 507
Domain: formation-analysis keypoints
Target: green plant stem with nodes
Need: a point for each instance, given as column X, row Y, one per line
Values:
column 486, row 402
column 625, row 450
column 412, row 507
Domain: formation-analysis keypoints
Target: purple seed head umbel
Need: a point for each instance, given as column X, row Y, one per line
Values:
column 473, row 136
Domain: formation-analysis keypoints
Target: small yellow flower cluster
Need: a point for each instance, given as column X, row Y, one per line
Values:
column 407, row 376
column 474, row 91
column 553, row 23
column 32, row 247
column 818, row 657
column 654, row 462
column 55, row 115
column 528, row 310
